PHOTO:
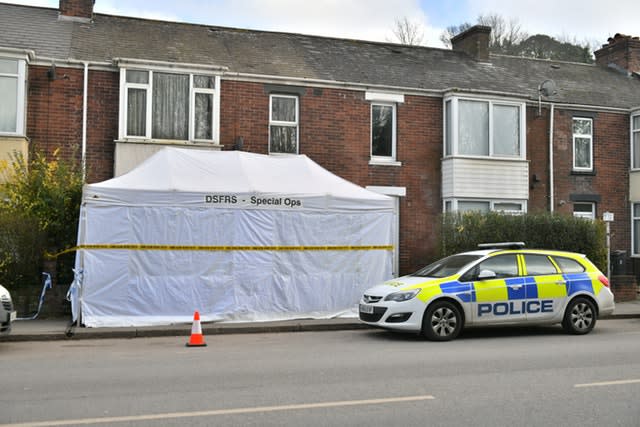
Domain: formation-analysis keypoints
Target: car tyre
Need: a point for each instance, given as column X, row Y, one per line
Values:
column 580, row 316
column 442, row 321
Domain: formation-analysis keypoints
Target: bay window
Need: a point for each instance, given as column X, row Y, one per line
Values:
column 12, row 95
column 514, row 207
column 635, row 140
column 484, row 128
column 168, row 105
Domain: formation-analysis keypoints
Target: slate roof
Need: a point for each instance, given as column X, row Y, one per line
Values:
column 299, row 56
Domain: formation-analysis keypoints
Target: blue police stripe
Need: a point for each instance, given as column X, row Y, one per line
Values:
column 519, row 291
column 531, row 288
column 464, row 291
column 578, row 282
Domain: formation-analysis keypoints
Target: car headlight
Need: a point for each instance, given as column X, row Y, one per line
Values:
column 402, row 296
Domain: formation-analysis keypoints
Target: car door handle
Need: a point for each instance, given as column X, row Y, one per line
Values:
column 515, row 286
column 561, row 282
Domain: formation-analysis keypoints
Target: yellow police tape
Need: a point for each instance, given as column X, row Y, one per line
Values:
column 138, row 247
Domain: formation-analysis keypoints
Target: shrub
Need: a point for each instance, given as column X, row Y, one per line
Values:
column 45, row 194
column 463, row 231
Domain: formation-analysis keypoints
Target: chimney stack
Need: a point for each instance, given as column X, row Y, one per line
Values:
column 622, row 52
column 474, row 42
column 76, row 10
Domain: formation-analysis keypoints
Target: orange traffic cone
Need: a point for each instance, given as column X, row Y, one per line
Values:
column 196, row 340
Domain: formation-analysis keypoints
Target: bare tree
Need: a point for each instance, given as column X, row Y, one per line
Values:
column 451, row 31
column 407, row 32
column 505, row 36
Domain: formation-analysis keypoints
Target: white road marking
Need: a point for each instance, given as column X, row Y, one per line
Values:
column 607, row 383
column 216, row 412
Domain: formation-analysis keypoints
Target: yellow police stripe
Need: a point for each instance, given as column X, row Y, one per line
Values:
column 551, row 286
column 219, row 248
column 491, row 290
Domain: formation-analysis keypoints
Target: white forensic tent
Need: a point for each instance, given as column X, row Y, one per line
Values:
column 237, row 236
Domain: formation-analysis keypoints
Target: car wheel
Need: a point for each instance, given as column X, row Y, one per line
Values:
column 442, row 321
column 579, row 317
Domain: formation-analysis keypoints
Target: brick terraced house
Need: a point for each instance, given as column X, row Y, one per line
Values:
column 436, row 129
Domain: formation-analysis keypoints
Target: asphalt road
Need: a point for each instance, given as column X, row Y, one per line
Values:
column 492, row 377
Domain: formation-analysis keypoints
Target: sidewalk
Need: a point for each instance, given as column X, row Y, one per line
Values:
column 59, row 329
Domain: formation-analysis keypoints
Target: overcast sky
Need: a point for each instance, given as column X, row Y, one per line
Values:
column 584, row 20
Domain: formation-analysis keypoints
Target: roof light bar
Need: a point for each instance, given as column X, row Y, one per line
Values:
column 502, row 245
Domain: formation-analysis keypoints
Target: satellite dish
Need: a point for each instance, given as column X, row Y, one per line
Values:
column 547, row 88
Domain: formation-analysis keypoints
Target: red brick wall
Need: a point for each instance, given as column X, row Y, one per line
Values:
column 335, row 132
column 610, row 177
column 54, row 116
column 538, row 156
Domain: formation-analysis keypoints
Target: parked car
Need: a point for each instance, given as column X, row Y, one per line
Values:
column 7, row 313
column 498, row 284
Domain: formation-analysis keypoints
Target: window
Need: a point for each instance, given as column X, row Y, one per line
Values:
column 635, row 140
column 636, row 228
column 12, row 94
column 283, row 124
column 475, row 127
column 584, row 210
column 503, row 266
column 582, row 144
column 383, row 130
column 170, row 106
column 504, row 206
column 539, row 265
column 568, row 265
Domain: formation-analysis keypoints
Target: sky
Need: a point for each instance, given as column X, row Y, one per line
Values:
column 582, row 21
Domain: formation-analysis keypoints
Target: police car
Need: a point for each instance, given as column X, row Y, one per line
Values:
column 498, row 284
column 7, row 313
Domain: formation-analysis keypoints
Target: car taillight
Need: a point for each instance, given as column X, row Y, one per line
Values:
column 603, row 280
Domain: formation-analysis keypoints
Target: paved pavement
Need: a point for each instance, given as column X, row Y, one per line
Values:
column 59, row 329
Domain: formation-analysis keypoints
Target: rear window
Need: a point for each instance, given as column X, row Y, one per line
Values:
column 539, row 265
column 568, row 265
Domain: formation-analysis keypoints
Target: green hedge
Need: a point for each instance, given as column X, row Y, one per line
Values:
column 463, row 231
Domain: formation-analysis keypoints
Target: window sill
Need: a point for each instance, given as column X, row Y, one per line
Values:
column 376, row 162
column 170, row 142
column 583, row 172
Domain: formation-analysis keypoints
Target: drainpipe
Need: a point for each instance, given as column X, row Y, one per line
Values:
column 84, row 120
column 551, row 195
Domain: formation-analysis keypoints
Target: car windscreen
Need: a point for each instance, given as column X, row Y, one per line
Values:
column 447, row 266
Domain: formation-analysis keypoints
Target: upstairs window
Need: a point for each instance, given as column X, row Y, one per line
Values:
column 283, row 124
column 384, row 125
column 163, row 105
column 383, row 130
column 484, row 128
column 12, row 95
column 582, row 144
column 635, row 140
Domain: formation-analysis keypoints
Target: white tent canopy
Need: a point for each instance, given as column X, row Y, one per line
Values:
column 235, row 235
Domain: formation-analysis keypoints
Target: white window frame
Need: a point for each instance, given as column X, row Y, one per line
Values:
column 453, row 204
column 20, row 101
column 394, row 126
column 590, row 137
column 634, row 250
column 454, row 126
column 148, row 87
column 384, row 99
column 591, row 215
column 295, row 123
column 634, row 132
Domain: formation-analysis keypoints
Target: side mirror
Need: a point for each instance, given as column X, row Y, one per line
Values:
column 486, row 274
